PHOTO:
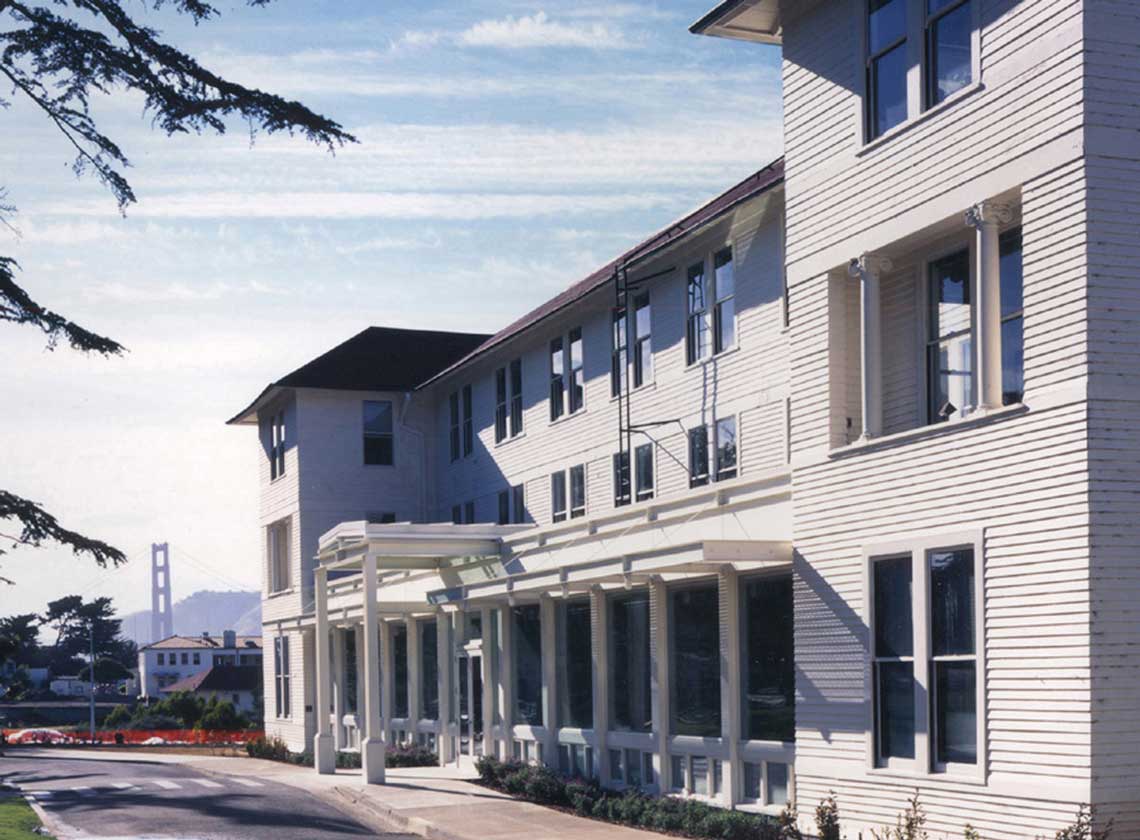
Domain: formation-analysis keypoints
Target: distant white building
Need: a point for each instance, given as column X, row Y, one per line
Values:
column 70, row 686
column 171, row 660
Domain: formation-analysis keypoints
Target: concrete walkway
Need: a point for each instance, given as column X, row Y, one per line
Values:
column 433, row 802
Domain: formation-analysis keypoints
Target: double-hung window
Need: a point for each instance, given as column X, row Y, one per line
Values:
column 500, row 405
column 277, row 548
column 726, row 451
column 378, row 444
column 642, row 340
column 469, row 512
column 400, row 670
column 619, row 349
column 577, row 491
column 643, row 471
column 725, row 455
column 575, row 678
column 724, row 309
column 504, row 507
column 567, row 378
column 429, row 670
column 893, row 668
column 696, row 314
column 282, row 682
column 768, row 681
column 949, row 348
column 277, row 445
column 887, row 61
column 558, row 496
column 456, row 515
column 577, row 381
column 557, row 379
column 710, row 302
column 1012, row 347
column 954, row 659
column 468, row 422
column 518, row 504
column 949, row 61
column 453, row 407
column 621, row 479
column 698, row 456
column 516, row 398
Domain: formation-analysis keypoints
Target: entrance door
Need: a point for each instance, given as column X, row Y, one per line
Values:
column 469, row 688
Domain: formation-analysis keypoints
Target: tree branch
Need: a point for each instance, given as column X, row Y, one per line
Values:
column 38, row 526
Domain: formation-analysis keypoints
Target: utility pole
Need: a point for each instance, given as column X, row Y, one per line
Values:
column 92, row 676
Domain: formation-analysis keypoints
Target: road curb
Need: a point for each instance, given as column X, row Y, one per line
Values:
column 392, row 818
column 56, row 828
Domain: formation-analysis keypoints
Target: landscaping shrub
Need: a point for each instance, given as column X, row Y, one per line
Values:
column 118, row 717
column 908, row 826
column 410, row 755
column 274, row 749
column 687, row 817
column 827, row 818
column 1084, row 828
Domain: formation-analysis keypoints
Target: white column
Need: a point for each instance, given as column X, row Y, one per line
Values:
column 867, row 270
column 415, row 672
column 445, row 663
column 387, row 678
column 728, row 594
column 324, row 755
column 659, row 679
column 489, row 676
column 548, row 623
column 372, row 746
column 358, row 661
column 507, row 677
column 338, row 685
column 986, row 218
column 600, row 640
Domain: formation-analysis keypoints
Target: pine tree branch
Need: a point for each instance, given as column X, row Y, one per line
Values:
column 39, row 526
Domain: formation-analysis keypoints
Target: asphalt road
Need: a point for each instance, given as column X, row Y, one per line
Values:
column 148, row 800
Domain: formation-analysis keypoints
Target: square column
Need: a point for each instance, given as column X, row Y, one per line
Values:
column 372, row 745
column 728, row 595
column 867, row 270
column 415, row 669
column 507, row 677
column 324, row 757
column 548, row 624
column 357, row 631
column 387, row 680
column 445, row 663
column 486, row 616
column 600, row 639
column 986, row 218
column 659, row 680
column 338, row 685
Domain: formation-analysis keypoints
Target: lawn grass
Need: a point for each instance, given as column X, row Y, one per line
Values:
column 17, row 819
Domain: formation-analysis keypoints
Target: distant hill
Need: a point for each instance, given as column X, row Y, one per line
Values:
column 203, row 612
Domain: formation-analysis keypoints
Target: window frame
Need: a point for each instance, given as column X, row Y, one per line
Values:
column 453, row 412
column 516, row 386
column 468, row 411
column 279, row 569
column 557, row 362
column 367, row 435
column 518, row 504
column 937, row 254
column 642, row 358
column 639, row 494
column 919, row 547
column 282, row 678
column 619, row 350
column 929, row 21
column 622, row 477
column 718, row 475
column 558, row 483
column 504, row 507
column 502, row 400
column 1019, row 315
column 577, row 511
column 708, row 317
column 277, row 438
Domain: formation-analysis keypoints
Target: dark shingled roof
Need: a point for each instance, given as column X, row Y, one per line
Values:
column 378, row 359
column 220, row 678
column 186, row 642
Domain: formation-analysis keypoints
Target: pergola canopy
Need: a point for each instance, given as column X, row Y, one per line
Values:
column 406, row 546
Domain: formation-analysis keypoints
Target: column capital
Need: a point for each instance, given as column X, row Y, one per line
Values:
column 990, row 212
column 869, row 264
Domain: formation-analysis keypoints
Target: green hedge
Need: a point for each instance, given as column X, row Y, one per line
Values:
column 672, row 815
column 407, row 755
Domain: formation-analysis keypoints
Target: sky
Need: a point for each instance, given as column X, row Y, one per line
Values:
column 506, row 150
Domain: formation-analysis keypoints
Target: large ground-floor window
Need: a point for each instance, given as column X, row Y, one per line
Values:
column 695, row 660
column 768, row 681
column 400, row 670
column 575, row 665
column 528, row 664
column 631, row 704
column 429, row 671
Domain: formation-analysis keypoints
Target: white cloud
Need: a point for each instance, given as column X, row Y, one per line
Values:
column 538, row 30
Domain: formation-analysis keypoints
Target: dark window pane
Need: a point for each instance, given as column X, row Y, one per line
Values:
column 557, row 385
column 430, row 670
column 456, row 515
column 895, row 699
column 726, row 448
column 956, row 711
column 400, row 670
column 952, row 602
column 949, row 45
column 468, row 431
column 378, row 450
column 1011, row 274
column 578, row 491
column 698, row 457
column 935, row 6
column 1012, row 362
column 725, row 282
column 886, row 23
column 558, row 495
column 950, row 294
column 725, row 317
column 643, row 458
column 504, row 507
column 630, row 700
column 887, row 84
column 695, row 619
column 769, row 670
column 577, row 378
column 469, row 512
column 576, row 679
column 378, row 417
column 528, row 665
column 621, row 478
column 894, row 629
column 519, row 504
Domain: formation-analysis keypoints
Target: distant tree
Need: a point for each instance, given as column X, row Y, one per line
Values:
column 106, row 671
column 221, row 714
column 58, row 56
column 19, row 639
column 71, row 617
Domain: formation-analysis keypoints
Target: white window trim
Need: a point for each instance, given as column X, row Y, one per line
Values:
column 709, row 261
column 633, row 492
column 916, row 65
column 365, row 434
column 284, row 527
column 918, row 547
column 930, row 257
column 585, row 514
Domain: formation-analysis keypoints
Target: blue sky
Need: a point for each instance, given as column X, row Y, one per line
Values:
column 507, row 149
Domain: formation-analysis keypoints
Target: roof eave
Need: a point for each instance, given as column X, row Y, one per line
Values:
column 729, row 19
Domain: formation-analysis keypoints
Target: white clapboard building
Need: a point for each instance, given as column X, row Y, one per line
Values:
column 831, row 485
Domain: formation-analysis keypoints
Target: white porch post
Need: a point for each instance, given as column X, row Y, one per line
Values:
column 489, row 688
column 387, row 677
column 415, row 672
column 507, row 678
column 659, row 679
column 358, row 661
column 445, row 662
column 728, row 594
column 324, row 756
column 372, row 746
column 986, row 217
column 867, row 269
column 338, row 685
column 548, row 624
column 600, row 639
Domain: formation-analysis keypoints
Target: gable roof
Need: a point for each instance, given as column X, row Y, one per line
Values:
column 199, row 642
column 220, row 678
column 755, row 184
column 376, row 359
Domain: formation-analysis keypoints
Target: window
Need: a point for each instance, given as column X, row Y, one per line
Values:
column 185, row 659
column 162, row 659
column 429, row 668
column 769, row 679
column 281, row 679
column 469, row 513
column 724, row 310
column 643, row 471
column 454, row 411
column 277, row 445
column 619, row 360
column 725, row 448
column 378, row 432
column 575, row 666
column 518, row 501
column 197, row 659
column 577, row 375
column 1012, row 346
column 557, row 379
column 698, row 456
column 949, row 25
column 516, row 398
column 456, row 515
column 631, row 706
column 642, row 341
column 697, row 328
column 954, row 668
column 468, row 424
column 621, row 479
column 277, row 546
column 949, row 349
column 400, row 670
column 886, row 100
column 528, row 664
column 577, row 491
column 500, row 405
column 695, row 642
column 379, row 517
column 893, row 667
column 504, row 507
column 558, row 496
